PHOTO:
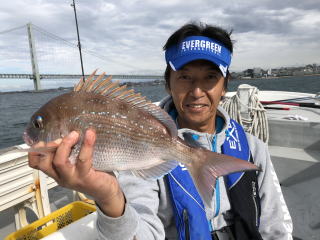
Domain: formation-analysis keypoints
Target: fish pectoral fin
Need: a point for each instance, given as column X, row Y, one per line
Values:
column 37, row 150
column 157, row 171
column 73, row 157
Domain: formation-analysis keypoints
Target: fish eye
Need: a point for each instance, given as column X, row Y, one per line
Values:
column 38, row 122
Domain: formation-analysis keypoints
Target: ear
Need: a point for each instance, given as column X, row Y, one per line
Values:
column 224, row 91
column 167, row 75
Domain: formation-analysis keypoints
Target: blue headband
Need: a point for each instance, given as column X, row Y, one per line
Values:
column 199, row 47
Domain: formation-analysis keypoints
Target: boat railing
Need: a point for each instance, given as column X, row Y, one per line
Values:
column 22, row 187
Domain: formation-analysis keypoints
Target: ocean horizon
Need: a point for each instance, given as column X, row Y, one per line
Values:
column 16, row 108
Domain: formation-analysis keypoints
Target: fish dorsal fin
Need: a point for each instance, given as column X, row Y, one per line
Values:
column 105, row 87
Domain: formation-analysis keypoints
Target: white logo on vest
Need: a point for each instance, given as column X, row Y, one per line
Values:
column 233, row 137
column 183, row 168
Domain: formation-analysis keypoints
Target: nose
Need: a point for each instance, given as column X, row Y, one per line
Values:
column 197, row 91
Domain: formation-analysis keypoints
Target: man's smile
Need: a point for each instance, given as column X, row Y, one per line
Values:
column 196, row 107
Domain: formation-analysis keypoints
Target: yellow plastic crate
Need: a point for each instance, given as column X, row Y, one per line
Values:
column 53, row 222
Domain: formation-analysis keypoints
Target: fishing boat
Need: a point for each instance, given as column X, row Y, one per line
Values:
column 293, row 124
column 294, row 145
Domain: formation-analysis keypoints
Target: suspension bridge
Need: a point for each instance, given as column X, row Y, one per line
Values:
column 77, row 76
column 51, row 57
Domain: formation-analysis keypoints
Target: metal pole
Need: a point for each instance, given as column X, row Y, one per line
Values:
column 79, row 44
column 34, row 63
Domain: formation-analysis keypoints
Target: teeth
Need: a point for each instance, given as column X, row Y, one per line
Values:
column 195, row 106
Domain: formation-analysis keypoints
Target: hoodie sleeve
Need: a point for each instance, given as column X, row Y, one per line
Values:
column 140, row 220
column 275, row 221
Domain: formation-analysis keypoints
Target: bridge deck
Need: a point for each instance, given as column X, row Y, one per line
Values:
column 76, row 76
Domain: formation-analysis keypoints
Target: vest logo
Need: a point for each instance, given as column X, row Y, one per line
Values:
column 233, row 137
column 183, row 168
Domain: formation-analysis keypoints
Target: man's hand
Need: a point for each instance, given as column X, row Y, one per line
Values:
column 103, row 187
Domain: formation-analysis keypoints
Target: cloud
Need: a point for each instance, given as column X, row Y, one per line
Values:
column 127, row 36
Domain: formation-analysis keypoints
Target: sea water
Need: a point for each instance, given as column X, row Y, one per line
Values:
column 16, row 108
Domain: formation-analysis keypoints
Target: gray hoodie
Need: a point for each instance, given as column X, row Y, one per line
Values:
column 148, row 212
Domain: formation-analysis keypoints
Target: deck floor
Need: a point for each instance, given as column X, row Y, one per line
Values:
column 302, row 200
column 302, row 193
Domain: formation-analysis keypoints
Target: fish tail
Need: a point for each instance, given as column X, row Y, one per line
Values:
column 207, row 166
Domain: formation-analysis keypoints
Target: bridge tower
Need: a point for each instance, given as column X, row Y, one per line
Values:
column 34, row 63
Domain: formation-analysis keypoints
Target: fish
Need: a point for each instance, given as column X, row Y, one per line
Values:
column 132, row 134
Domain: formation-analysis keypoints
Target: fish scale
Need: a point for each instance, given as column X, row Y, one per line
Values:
column 132, row 134
column 113, row 131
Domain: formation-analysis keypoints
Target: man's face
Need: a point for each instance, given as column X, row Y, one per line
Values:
column 196, row 90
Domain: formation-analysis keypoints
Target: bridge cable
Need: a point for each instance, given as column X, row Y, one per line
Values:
column 12, row 29
column 89, row 52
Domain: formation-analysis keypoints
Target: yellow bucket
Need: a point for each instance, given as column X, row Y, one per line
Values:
column 53, row 222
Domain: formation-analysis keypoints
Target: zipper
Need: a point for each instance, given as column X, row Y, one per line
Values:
column 254, row 197
column 186, row 224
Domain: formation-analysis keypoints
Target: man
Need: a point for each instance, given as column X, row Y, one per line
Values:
column 244, row 206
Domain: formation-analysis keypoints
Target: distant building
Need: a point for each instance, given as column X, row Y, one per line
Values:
column 269, row 72
column 278, row 72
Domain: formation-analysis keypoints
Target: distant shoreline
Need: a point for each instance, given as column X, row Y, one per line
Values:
column 274, row 77
column 149, row 83
column 129, row 84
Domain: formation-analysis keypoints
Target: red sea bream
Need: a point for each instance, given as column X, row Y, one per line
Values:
column 132, row 134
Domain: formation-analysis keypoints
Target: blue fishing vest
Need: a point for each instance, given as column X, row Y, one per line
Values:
column 188, row 208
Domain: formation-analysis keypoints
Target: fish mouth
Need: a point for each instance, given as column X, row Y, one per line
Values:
column 27, row 139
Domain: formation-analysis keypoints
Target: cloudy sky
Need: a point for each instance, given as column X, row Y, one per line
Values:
column 126, row 36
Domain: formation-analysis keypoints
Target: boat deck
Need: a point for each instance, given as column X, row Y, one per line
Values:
column 294, row 146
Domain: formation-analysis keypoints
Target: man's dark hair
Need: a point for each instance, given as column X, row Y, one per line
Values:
column 198, row 29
